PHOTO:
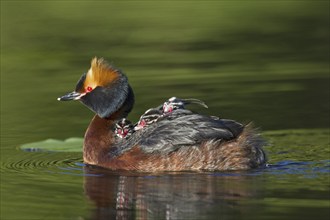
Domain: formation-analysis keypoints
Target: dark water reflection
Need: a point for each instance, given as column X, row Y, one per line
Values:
column 177, row 196
column 247, row 195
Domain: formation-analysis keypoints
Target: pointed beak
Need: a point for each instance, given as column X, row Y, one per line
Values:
column 140, row 125
column 71, row 96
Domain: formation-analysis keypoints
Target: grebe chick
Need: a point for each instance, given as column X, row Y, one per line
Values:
column 149, row 117
column 154, row 114
column 175, row 103
column 124, row 128
column 180, row 141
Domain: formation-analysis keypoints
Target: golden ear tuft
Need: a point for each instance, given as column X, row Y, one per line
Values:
column 101, row 65
column 101, row 73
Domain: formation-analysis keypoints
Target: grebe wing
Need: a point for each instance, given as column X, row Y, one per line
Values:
column 184, row 128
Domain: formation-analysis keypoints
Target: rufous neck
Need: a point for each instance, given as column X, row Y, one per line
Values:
column 99, row 137
column 98, row 140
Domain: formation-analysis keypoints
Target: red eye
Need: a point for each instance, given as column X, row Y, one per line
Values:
column 89, row 89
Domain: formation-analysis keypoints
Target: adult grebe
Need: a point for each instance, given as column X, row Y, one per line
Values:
column 180, row 141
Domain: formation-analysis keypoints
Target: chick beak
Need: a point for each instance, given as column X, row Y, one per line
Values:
column 71, row 96
column 140, row 125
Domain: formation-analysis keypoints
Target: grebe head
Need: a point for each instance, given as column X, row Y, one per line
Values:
column 172, row 104
column 149, row 117
column 124, row 128
column 104, row 89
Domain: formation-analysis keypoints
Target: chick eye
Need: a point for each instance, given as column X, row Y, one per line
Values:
column 89, row 89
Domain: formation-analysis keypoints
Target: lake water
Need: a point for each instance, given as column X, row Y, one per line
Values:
column 261, row 62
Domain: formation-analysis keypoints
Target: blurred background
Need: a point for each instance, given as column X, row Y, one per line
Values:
column 260, row 61
column 266, row 62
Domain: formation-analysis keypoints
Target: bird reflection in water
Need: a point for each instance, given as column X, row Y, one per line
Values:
column 118, row 195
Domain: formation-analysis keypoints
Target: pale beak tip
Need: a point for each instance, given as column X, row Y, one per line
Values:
column 136, row 128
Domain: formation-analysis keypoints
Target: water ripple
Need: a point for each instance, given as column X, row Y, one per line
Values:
column 32, row 162
column 36, row 162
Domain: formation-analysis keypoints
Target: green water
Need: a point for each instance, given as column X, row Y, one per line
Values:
column 266, row 62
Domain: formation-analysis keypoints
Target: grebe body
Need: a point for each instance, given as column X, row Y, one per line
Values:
column 178, row 141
